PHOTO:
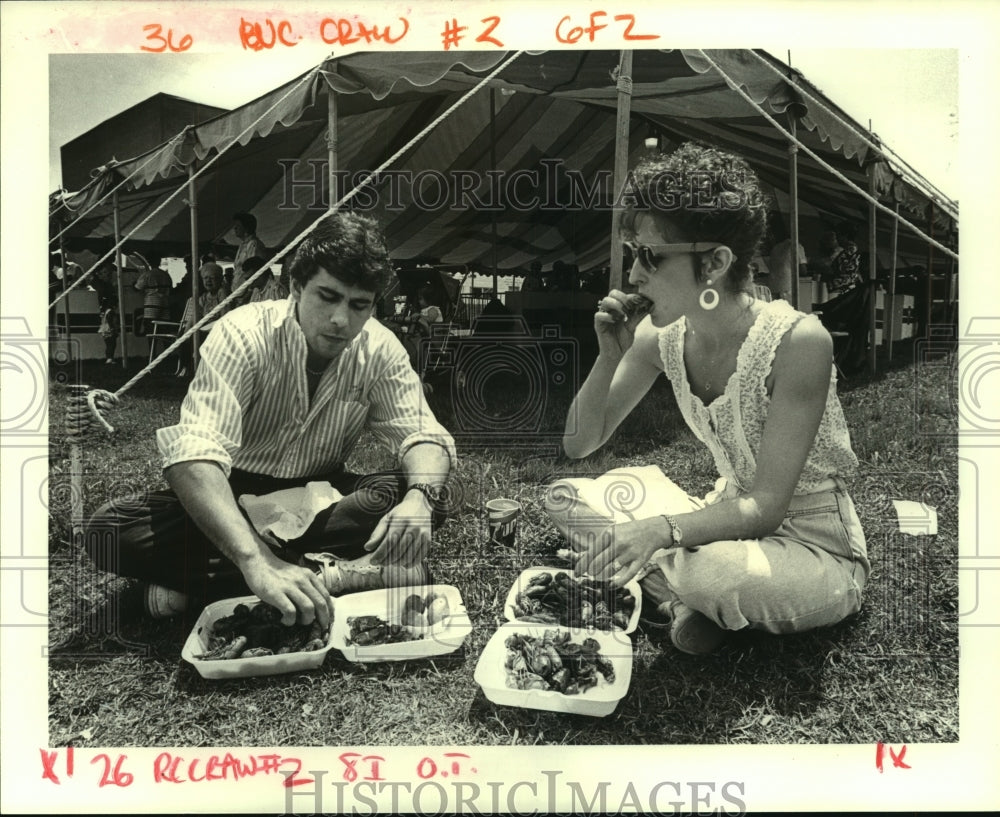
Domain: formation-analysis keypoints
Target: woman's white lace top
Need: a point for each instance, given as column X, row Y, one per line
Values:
column 732, row 424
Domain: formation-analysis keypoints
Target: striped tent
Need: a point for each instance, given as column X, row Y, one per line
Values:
column 519, row 173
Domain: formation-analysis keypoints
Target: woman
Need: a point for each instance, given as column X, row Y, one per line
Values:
column 778, row 545
column 426, row 313
column 213, row 292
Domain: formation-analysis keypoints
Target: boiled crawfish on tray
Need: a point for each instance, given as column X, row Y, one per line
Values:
column 555, row 662
column 253, row 632
column 571, row 602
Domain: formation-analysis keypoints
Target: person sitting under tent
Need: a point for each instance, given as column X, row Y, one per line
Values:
column 845, row 262
column 533, row 281
column 426, row 313
column 213, row 292
column 784, row 261
column 284, row 393
column 269, row 287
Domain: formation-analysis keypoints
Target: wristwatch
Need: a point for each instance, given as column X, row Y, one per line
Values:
column 433, row 493
column 675, row 530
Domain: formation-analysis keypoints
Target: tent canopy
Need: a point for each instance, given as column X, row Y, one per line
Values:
column 526, row 157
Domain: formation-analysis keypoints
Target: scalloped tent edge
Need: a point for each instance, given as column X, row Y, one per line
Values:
column 545, row 98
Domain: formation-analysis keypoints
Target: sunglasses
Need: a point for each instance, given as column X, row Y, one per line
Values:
column 650, row 255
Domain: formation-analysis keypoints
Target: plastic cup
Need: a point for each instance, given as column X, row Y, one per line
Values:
column 503, row 514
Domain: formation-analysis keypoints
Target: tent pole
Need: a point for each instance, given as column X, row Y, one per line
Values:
column 952, row 279
column 331, row 146
column 872, row 269
column 889, row 321
column 621, row 161
column 793, row 192
column 65, row 284
column 493, row 166
column 930, row 272
column 195, row 259
column 121, row 289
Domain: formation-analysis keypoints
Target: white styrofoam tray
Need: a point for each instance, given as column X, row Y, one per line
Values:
column 526, row 575
column 197, row 643
column 598, row 701
column 439, row 639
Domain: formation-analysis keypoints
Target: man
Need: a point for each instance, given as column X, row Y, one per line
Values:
column 245, row 229
column 282, row 395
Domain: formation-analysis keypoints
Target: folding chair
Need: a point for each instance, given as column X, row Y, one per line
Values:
column 762, row 293
column 166, row 332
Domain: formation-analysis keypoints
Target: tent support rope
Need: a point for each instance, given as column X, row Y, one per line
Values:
column 313, row 73
column 104, row 196
column 369, row 178
column 864, row 137
column 916, row 230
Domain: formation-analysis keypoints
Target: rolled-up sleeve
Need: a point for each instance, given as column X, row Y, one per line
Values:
column 211, row 421
column 399, row 415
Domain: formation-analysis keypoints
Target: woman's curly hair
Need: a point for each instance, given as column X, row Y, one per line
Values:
column 707, row 195
column 350, row 247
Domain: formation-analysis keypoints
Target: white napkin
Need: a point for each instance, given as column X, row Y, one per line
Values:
column 627, row 494
column 284, row 515
column 915, row 518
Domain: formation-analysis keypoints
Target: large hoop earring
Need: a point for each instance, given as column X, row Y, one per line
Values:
column 709, row 298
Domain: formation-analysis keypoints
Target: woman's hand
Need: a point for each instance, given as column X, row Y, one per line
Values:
column 623, row 550
column 617, row 316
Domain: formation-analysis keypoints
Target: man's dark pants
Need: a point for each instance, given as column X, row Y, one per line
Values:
column 156, row 541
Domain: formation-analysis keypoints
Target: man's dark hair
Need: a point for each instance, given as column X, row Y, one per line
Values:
column 350, row 247
column 248, row 221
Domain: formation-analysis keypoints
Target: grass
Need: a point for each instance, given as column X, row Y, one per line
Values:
column 888, row 673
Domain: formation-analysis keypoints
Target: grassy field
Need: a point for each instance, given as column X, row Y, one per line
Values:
column 888, row 673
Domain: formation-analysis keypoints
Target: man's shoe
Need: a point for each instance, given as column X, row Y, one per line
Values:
column 690, row 631
column 354, row 575
column 162, row 602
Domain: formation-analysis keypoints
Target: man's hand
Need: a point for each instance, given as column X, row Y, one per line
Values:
column 623, row 550
column 403, row 536
column 296, row 591
column 205, row 494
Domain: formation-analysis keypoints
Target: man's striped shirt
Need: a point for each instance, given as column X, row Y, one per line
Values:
column 248, row 406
